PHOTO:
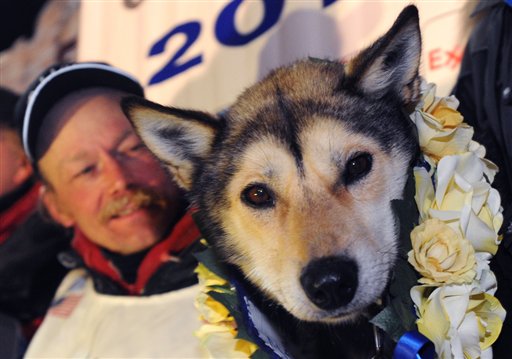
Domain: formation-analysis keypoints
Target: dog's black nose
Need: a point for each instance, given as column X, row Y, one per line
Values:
column 330, row 282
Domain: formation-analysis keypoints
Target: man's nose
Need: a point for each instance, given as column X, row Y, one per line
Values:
column 117, row 175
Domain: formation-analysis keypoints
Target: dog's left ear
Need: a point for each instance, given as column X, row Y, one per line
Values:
column 391, row 64
column 180, row 139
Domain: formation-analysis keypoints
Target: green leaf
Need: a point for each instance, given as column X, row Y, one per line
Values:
column 243, row 334
column 211, row 261
column 230, row 301
column 224, row 294
column 260, row 354
column 399, row 292
column 387, row 320
column 398, row 316
column 226, row 288
column 407, row 214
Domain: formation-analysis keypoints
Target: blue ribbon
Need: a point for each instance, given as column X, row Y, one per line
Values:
column 414, row 345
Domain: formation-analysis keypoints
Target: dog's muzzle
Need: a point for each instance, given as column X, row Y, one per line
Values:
column 330, row 283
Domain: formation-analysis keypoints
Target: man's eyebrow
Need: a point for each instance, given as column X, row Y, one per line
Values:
column 66, row 165
column 124, row 136
column 82, row 155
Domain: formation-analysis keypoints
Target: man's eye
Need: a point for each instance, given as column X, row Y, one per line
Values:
column 137, row 147
column 86, row 170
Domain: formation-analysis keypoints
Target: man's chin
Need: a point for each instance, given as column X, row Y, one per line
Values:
column 130, row 243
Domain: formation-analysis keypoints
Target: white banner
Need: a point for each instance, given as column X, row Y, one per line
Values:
column 202, row 54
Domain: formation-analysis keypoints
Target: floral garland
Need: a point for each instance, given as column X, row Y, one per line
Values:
column 218, row 309
column 460, row 216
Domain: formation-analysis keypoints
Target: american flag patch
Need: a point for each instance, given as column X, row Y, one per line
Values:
column 63, row 307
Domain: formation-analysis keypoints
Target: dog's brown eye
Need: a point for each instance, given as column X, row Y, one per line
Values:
column 357, row 167
column 258, row 196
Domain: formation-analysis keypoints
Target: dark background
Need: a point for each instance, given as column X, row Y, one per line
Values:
column 17, row 18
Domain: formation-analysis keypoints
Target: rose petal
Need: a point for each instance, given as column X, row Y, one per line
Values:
column 424, row 191
column 445, row 216
column 449, row 117
column 449, row 142
column 480, row 235
column 469, row 335
column 455, row 300
column 220, row 343
column 494, row 201
column 445, row 171
column 429, row 96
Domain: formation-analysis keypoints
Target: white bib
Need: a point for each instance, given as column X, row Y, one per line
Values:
column 85, row 324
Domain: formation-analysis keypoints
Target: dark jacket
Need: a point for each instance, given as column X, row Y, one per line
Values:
column 168, row 265
column 29, row 268
column 12, row 343
column 484, row 89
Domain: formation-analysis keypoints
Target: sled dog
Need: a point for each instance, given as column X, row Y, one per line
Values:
column 295, row 180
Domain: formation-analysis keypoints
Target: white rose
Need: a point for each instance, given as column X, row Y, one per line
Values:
column 441, row 255
column 465, row 200
column 460, row 320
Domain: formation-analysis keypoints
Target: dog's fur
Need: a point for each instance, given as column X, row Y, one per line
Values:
column 294, row 183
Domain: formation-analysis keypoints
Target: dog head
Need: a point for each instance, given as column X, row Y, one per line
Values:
column 295, row 180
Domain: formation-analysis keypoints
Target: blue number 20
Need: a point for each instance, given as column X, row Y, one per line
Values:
column 228, row 35
column 225, row 31
column 191, row 30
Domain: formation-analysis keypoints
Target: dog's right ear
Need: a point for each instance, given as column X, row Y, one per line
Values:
column 181, row 139
column 391, row 64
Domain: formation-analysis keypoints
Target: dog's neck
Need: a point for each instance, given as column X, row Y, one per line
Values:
column 304, row 340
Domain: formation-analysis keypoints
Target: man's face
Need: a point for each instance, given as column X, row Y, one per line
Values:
column 14, row 166
column 103, row 180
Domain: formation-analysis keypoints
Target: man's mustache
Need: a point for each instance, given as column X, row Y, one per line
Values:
column 131, row 201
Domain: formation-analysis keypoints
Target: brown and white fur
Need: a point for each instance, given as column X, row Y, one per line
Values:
column 295, row 180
